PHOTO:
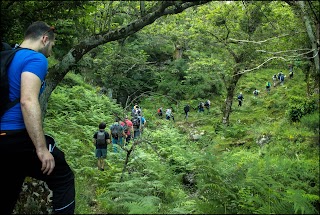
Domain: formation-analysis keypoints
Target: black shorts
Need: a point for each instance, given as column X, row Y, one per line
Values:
column 18, row 159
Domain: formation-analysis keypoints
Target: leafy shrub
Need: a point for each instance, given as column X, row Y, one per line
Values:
column 298, row 107
column 311, row 121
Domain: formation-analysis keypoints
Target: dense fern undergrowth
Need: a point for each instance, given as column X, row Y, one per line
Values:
column 225, row 171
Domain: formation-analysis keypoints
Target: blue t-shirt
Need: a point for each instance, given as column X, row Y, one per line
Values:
column 24, row 61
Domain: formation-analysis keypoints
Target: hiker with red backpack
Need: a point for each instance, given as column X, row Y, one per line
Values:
column 160, row 112
column 100, row 140
column 128, row 128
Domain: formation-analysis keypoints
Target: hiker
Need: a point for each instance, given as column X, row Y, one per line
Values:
column 278, row 76
column 172, row 116
column 24, row 148
column 117, row 133
column 160, row 112
column 291, row 74
column 186, row 111
column 282, row 79
column 128, row 128
column 100, row 140
column 290, row 71
column 274, row 79
column 134, row 109
column 207, row 105
column 240, row 99
column 201, row 107
column 169, row 114
column 268, row 86
column 143, row 123
column 255, row 92
column 136, row 122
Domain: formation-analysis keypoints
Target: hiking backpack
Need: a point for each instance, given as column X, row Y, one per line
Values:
column 115, row 130
column 101, row 138
column 6, row 57
column 125, row 127
column 282, row 78
column 136, row 122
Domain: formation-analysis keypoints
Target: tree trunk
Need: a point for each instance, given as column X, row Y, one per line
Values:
column 230, row 94
column 313, row 41
column 177, row 54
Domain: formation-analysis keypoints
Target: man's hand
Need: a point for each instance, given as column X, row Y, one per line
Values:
column 47, row 161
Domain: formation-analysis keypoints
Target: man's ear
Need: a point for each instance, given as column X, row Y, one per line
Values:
column 45, row 40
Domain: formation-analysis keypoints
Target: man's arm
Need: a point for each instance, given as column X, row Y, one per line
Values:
column 107, row 137
column 30, row 107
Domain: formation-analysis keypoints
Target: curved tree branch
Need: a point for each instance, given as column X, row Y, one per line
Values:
column 57, row 73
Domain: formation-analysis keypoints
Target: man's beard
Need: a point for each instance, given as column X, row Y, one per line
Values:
column 45, row 50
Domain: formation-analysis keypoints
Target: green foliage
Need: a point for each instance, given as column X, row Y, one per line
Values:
column 279, row 177
column 225, row 171
column 311, row 121
column 298, row 107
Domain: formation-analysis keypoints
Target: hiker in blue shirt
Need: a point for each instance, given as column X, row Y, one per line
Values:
column 282, row 79
column 143, row 123
column 25, row 150
column 240, row 99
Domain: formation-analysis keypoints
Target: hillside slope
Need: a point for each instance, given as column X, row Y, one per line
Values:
column 225, row 171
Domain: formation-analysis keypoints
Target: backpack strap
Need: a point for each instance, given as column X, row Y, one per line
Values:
column 9, row 54
column 10, row 105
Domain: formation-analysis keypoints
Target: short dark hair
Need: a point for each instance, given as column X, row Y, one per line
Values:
column 102, row 125
column 37, row 29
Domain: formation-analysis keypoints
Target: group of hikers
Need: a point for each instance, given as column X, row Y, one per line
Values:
column 168, row 113
column 186, row 109
column 121, row 132
column 276, row 78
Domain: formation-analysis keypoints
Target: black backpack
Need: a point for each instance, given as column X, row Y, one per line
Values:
column 136, row 122
column 186, row 108
column 101, row 138
column 6, row 56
